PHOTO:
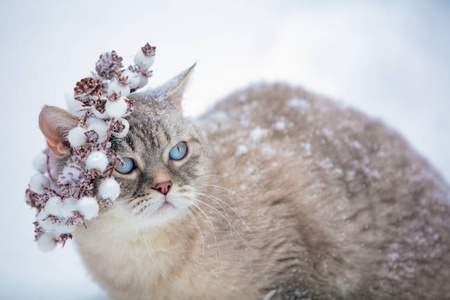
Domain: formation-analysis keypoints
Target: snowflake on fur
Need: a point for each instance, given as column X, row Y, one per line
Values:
column 66, row 199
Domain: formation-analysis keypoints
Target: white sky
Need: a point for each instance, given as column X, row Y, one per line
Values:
column 391, row 60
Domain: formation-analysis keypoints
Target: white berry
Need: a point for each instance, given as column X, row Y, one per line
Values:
column 46, row 242
column 88, row 207
column 133, row 78
column 38, row 182
column 97, row 161
column 76, row 137
column 143, row 61
column 54, row 206
column 124, row 132
column 116, row 109
column 109, row 189
column 120, row 89
column 100, row 127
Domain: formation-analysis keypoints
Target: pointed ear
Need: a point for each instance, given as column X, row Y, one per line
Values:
column 55, row 123
column 174, row 89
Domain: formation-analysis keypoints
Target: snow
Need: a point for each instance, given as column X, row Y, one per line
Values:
column 116, row 109
column 257, row 133
column 241, row 149
column 109, row 189
column 38, row 182
column 97, row 160
column 389, row 59
column 76, row 136
column 280, row 125
column 298, row 103
column 88, row 207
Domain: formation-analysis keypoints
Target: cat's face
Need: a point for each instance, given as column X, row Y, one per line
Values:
column 163, row 152
column 165, row 163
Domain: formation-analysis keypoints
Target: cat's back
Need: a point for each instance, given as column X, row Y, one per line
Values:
column 364, row 214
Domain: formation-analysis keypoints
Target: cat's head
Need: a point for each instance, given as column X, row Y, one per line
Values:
column 163, row 152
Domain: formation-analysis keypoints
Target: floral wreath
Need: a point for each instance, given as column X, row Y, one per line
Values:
column 67, row 199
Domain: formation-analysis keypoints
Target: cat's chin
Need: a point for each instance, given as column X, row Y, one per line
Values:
column 166, row 211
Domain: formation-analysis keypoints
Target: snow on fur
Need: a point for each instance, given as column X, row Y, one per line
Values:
column 67, row 199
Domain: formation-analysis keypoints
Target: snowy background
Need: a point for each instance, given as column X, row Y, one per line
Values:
column 390, row 59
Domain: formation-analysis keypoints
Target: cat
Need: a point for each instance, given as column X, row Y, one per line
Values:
column 275, row 193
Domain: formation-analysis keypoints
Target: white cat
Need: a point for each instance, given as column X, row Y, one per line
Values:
column 279, row 193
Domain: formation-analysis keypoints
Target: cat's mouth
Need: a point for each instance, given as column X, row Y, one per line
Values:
column 165, row 206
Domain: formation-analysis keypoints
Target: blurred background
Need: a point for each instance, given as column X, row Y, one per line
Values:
column 390, row 59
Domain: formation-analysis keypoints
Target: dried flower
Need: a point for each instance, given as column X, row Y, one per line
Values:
column 91, row 136
column 130, row 103
column 122, row 79
column 87, row 91
column 118, row 126
column 108, row 65
column 148, row 50
column 113, row 96
column 100, row 105
column 68, row 200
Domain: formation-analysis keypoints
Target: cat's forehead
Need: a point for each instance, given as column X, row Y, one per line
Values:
column 154, row 126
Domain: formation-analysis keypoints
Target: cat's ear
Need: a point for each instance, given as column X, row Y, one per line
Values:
column 55, row 123
column 174, row 89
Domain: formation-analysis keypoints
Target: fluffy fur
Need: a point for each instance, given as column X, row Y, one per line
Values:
column 281, row 190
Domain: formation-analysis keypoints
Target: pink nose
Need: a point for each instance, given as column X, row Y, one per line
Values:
column 163, row 187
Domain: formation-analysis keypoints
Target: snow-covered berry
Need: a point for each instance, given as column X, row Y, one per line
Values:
column 54, row 206
column 88, row 207
column 143, row 80
column 44, row 222
column 143, row 61
column 124, row 130
column 68, row 207
column 76, row 136
column 118, row 88
column 100, row 115
column 97, row 161
column 109, row 189
column 38, row 182
column 133, row 78
column 64, row 229
column 116, row 109
column 100, row 127
column 46, row 242
column 40, row 162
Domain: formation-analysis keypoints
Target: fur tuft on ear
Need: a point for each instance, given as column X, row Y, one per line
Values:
column 176, row 86
column 172, row 90
column 55, row 123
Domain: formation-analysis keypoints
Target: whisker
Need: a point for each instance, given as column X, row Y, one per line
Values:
column 135, row 259
column 228, row 216
column 197, row 225
column 242, row 238
column 151, row 251
column 224, row 202
column 213, row 230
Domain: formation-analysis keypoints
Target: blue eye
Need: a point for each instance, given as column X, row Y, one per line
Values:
column 127, row 167
column 179, row 151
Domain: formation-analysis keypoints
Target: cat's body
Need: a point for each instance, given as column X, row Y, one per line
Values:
column 295, row 194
